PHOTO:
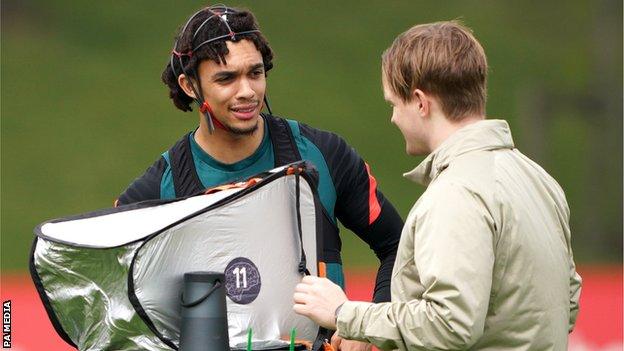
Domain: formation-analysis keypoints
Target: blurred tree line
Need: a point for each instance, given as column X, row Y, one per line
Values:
column 84, row 111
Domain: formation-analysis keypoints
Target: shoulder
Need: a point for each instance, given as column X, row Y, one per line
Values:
column 323, row 139
column 148, row 185
column 471, row 180
column 478, row 172
column 315, row 144
column 452, row 202
column 331, row 146
column 442, row 191
column 304, row 132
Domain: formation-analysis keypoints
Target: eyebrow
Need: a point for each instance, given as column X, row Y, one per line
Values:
column 230, row 74
column 256, row 66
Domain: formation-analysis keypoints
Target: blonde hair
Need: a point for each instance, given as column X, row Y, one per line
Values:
column 443, row 59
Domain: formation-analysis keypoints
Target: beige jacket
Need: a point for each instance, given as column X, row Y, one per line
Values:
column 484, row 261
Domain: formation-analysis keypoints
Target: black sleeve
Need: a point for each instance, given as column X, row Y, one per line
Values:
column 145, row 187
column 360, row 205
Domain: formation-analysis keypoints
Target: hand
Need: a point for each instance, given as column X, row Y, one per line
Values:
column 317, row 298
column 340, row 344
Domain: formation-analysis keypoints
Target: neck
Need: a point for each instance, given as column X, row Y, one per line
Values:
column 443, row 128
column 225, row 146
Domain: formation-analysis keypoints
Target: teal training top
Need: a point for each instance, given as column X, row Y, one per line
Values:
column 347, row 191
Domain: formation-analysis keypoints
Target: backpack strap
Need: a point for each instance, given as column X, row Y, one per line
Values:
column 323, row 338
column 185, row 179
column 284, row 147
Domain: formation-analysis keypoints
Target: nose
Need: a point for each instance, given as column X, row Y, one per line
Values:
column 245, row 90
column 393, row 117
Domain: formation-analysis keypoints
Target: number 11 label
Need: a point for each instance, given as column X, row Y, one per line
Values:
column 238, row 271
column 242, row 280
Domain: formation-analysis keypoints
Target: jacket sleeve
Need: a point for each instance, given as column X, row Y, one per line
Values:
column 575, row 294
column 145, row 187
column 360, row 205
column 454, row 254
column 575, row 278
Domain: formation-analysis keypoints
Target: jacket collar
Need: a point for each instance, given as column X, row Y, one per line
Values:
column 479, row 136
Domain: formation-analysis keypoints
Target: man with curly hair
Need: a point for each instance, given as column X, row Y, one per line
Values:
column 220, row 61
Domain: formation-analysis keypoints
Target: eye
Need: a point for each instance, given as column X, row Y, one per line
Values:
column 224, row 79
column 257, row 73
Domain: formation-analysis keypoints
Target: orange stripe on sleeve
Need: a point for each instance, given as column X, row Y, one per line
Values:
column 322, row 270
column 374, row 209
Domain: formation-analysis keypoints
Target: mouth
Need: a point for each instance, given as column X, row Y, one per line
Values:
column 245, row 111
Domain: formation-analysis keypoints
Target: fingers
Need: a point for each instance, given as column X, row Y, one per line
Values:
column 317, row 299
column 311, row 279
column 301, row 298
column 300, row 309
column 352, row 345
column 303, row 288
column 312, row 283
column 336, row 341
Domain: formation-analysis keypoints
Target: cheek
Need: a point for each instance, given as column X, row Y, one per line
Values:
column 399, row 118
column 396, row 116
column 259, row 86
column 218, row 94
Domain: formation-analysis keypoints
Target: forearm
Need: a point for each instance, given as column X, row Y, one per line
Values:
column 383, row 237
column 384, row 275
column 412, row 325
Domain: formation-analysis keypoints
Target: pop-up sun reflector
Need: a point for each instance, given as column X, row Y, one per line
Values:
column 112, row 279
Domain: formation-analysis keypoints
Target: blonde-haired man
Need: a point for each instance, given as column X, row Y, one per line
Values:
column 485, row 260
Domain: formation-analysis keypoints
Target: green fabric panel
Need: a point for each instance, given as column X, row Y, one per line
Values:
column 167, row 191
column 335, row 273
column 211, row 172
column 309, row 152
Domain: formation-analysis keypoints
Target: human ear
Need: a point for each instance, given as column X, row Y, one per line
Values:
column 185, row 84
column 422, row 100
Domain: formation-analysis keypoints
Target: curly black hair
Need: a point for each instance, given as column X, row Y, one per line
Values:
column 239, row 20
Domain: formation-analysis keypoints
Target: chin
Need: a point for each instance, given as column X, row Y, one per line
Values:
column 248, row 128
column 415, row 150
